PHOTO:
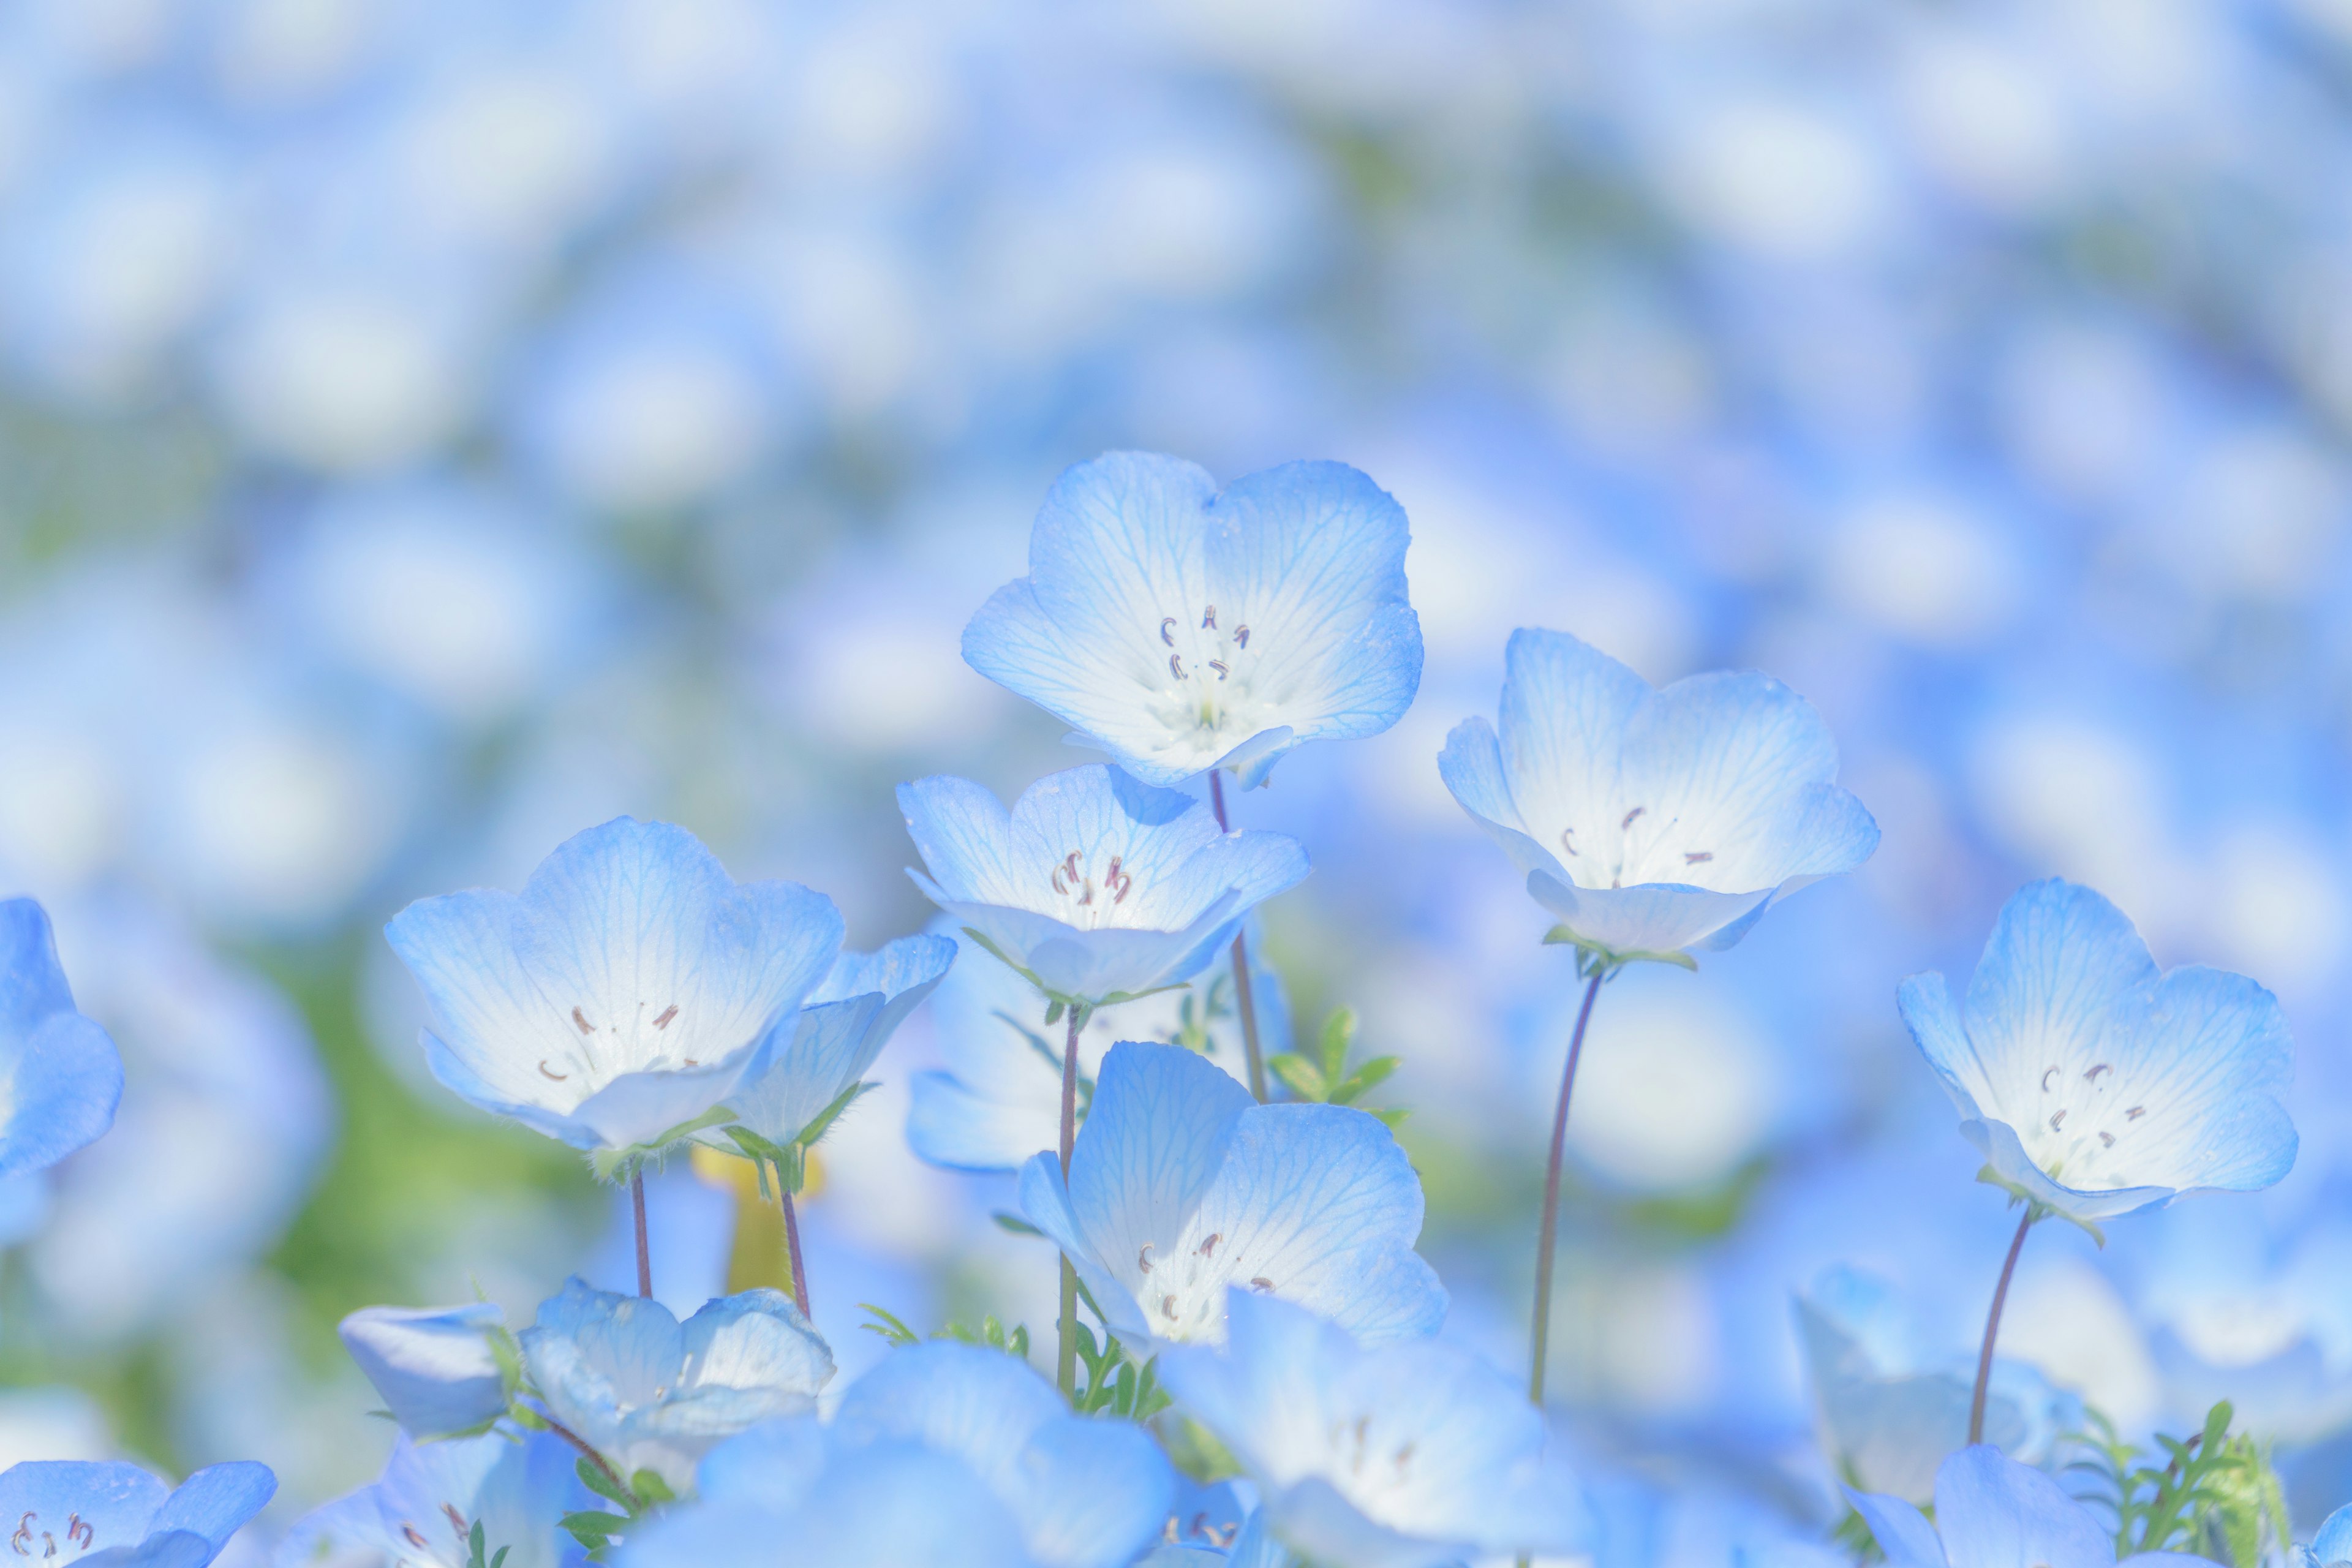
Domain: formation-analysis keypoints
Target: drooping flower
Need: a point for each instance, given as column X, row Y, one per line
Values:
column 999, row 1098
column 424, row 1510
column 1181, row 1186
column 1889, row 1416
column 943, row 1455
column 1096, row 887
column 1182, row 630
column 118, row 1514
column 1649, row 822
column 650, row 1393
column 64, row 1078
column 1404, row 1456
column 1993, row 1512
column 624, row 994
column 843, row 1026
column 436, row 1367
column 2096, row 1084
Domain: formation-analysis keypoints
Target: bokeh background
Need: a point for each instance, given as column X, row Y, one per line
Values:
column 428, row 427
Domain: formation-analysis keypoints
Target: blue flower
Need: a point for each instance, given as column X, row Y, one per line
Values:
column 1887, row 1418
column 843, row 1026
column 1649, row 822
column 2096, row 1084
column 624, row 994
column 1182, row 630
column 999, row 1100
column 648, row 1392
column 118, row 1514
column 943, row 1455
column 1181, row 1186
column 63, row 1074
column 424, row 1509
column 1993, row 1512
column 1403, row 1456
column 2333, row 1544
column 437, row 1368
column 1097, row 888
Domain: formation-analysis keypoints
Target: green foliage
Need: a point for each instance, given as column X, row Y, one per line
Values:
column 1323, row 1077
column 1114, row 1383
column 596, row 1528
column 2211, row 1495
column 1013, row 1341
column 790, row 1161
column 888, row 1324
column 1196, row 1450
column 474, row 1545
column 1198, row 1010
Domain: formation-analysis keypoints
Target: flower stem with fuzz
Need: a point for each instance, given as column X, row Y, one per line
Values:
column 1242, row 995
column 1065, row 1374
column 1547, row 1236
column 793, row 1245
column 644, row 1255
column 586, row 1451
column 1992, row 1325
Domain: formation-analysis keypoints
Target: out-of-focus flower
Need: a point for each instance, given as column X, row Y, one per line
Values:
column 1095, row 887
column 431, row 1497
column 843, row 1026
column 1991, row 1512
column 120, row 1514
column 225, row 1114
column 677, row 982
column 434, row 1366
column 1406, row 1454
column 999, row 1100
column 944, row 1455
column 1182, row 630
column 1650, row 821
column 2333, row 1543
column 650, row 1393
column 1886, row 1420
column 1182, row 1186
column 64, row 1075
column 2094, row 1084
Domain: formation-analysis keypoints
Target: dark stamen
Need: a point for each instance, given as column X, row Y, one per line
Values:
column 549, row 1072
column 1165, row 622
column 668, row 1013
column 1221, row 668
column 1698, row 857
column 1630, row 817
column 1209, row 619
column 585, row 1026
column 2134, row 1113
column 1241, row 637
column 1176, row 665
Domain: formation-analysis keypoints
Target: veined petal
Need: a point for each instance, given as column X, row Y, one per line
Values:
column 1472, row 766
column 1566, row 711
column 1158, row 1134
column 1720, row 755
column 63, row 1094
column 1046, row 1202
column 118, row 1501
column 432, row 1366
column 1090, row 1494
column 216, row 1500
column 950, row 1125
column 977, row 1404
column 755, row 1339
column 2060, row 961
column 1993, row 1512
column 1653, row 918
column 837, row 1036
column 32, row 983
column 965, row 836
column 1902, row 1531
column 1925, row 1003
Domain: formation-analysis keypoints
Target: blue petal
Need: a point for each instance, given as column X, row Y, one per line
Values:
column 216, row 1500
column 1652, row 918
column 1090, row 1496
column 773, row 1464
column 66, row 1084
column 118, row 1501
column 1044, row 1200
column 755, row 1339
column 2334, row 1542
column 1156, row 1136
column 950, row 1125
column 32, row 983
column 965, row 837
column 591, row 1353
column 1902, row 1531
column 848, row 1020
column 1472, row 767
column 432, row 1366
column 1565, row 713
column 1320, row 1200
column 978, row 1404
column 1993, row 1512
column 1274, row 1357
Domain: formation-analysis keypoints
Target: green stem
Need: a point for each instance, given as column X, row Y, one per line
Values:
column 1242, row 998
column 1992, row 1326
column 1546, row 1237
column 1065, row 1374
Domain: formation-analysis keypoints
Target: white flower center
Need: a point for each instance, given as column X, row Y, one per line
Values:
column 1183, row 1292
column 1091, row 894
column 1639, row 847
column 1208, row 686
column 607, row 1047
column 2083, row 1126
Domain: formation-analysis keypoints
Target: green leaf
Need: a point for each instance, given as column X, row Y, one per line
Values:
column 1338, row 1038
column 591, row 1528
column 889, row 1325
column 650, row 1488
column 1301, row 1077
column 593, row 1476
column 1015, row 1223
column 831, row 1114
column 1372, row 1072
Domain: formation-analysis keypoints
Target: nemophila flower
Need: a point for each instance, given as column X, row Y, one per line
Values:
column 999, row 1098
column 650, row 1393
column 624, row 994
column 1096, row 887
column 1182, row 630
column 1400, row 1456
column 1181, row 1186
column 1889, row 1416
column 843, row 1026
column 2096, row 1084
column 425, row 1508
column 1252, row 1546
column 1650, row 822
column 118, row 1516
column 1993, row 1512
column 438, row 1369
column 62, row 1073
column 2333, row 1544
column 943, row 1455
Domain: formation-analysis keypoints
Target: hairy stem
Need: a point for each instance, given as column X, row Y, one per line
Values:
column 1242, row 998
column 792, row 1245
column 1539, row 1337
column 586, row 1452
column 1066, row 1371
column 644, row 1255
column 1992, row 1326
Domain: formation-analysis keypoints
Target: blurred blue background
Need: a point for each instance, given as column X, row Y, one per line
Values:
column 428, row 427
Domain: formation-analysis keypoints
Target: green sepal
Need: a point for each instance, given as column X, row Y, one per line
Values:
column 1056, row 1003
column 1014, row 1224
column 593, row 1476
column 651, row 1489
column 612, row 1165
column 888, row 1324
column 593, row 1527
column 2041, row 1211
column 1592, row 957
